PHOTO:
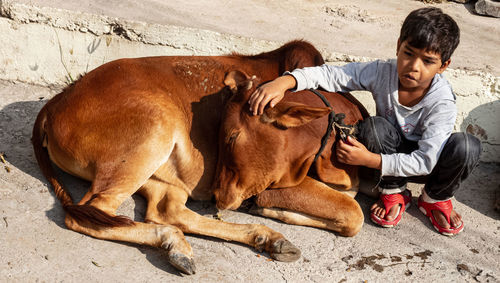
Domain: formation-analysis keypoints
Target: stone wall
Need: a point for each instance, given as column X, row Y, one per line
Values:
column 47, row 46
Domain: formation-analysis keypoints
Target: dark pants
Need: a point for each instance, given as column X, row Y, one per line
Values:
column 459, row 157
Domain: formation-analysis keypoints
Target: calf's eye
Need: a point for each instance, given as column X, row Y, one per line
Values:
column 232, row 138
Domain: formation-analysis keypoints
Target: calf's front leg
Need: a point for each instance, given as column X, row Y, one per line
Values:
column 312, row 203
column 169, row 208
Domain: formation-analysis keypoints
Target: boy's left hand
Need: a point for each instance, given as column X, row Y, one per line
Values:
column 355, row 153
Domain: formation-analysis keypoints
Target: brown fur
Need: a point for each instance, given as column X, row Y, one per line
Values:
column 277, row 149
column 149, row 125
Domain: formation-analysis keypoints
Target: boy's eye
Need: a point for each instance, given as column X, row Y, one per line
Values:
column 429, row 61
column 408, row 53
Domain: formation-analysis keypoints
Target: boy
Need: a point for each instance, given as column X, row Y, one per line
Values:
column 411, row 137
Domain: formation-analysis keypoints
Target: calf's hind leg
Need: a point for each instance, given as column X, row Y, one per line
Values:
column 95, row 216
column 314, row 204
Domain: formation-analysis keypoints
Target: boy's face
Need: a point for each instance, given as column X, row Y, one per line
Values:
column 417, row 67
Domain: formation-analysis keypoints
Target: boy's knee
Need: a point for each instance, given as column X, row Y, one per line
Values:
column 377, row 122
column 378, row 135
column 462, row 147
column 375, row 126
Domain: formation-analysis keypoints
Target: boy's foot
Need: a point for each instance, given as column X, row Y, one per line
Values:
column 441, row 214
column 455, row 219
column 387, row 212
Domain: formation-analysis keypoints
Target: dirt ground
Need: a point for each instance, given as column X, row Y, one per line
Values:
column 36, row 247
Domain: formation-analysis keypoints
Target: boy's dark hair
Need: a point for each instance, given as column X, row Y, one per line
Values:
column 431, row 29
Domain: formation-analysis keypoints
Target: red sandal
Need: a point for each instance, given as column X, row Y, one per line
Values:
column 389, row 201
column 445, row 207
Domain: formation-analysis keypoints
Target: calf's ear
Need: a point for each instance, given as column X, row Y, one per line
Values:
column 237, row 78
column 289, row 115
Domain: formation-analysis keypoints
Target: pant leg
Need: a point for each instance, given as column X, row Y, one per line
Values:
column 459, row 157
column 380, row 136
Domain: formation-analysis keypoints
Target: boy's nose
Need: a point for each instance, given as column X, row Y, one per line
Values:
column 415, row 64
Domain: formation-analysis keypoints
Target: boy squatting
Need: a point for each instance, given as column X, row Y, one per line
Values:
column 410, row 138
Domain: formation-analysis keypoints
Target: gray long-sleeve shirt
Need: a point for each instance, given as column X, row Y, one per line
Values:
column 430, row 122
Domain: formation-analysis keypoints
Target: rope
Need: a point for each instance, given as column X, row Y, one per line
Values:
column 334, row 120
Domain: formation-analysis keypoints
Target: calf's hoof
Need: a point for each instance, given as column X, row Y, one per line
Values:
column 283, row 250
column 182, row 263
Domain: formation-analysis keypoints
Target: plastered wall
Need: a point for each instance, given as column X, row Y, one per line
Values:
column 47, row 46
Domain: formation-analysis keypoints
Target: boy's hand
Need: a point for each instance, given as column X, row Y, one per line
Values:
column 355, row 153
column 271, row 92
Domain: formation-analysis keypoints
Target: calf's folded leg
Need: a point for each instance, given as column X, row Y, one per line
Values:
column 312, row 203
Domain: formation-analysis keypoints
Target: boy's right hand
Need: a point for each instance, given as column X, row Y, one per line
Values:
column 271, row 92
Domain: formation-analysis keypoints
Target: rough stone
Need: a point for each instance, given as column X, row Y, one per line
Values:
column 488, row 7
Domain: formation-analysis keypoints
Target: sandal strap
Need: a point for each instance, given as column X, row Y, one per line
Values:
column 445, row 207
column 392, row 199
column 389, row 201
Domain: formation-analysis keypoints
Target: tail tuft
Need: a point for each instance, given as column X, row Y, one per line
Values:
column 87, row 214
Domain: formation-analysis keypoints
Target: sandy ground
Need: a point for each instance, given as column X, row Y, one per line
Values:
column 35, row 245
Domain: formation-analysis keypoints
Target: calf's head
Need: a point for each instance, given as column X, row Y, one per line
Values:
column 257, row 152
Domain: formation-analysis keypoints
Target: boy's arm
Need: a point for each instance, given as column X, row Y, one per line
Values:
column 417, row 163
column 353, row 76
column 437, row 128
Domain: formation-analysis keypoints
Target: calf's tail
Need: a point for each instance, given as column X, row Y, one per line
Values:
column 81, row 213
column 42, row 157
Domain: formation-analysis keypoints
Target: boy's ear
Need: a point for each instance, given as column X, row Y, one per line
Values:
column 444, row 66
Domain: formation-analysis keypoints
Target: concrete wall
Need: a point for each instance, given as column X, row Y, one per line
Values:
column 47, row 46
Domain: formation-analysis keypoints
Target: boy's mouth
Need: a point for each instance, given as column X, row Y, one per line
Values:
column 409, row 77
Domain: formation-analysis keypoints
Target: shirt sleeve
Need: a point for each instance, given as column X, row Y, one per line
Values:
column 352, row 76
column 437, row 128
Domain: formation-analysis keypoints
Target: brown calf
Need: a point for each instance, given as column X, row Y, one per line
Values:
column 149, row 125
column 276, row 150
